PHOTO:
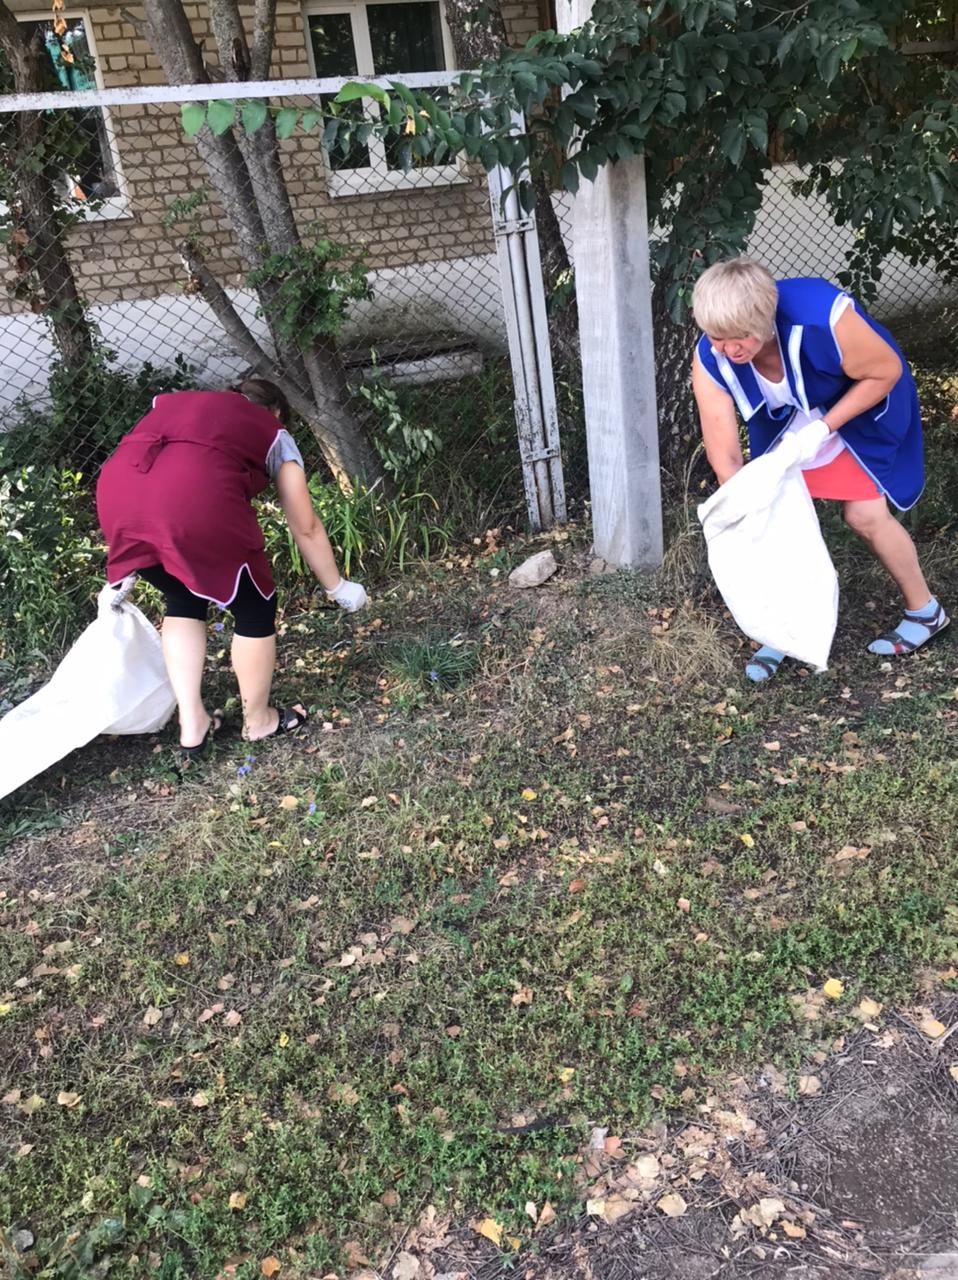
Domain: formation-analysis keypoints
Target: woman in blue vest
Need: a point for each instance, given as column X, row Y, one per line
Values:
column 769, row 349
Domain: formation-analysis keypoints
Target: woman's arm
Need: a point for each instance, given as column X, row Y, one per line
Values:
column 720, row 435
column 305, row 525
column 869, row 361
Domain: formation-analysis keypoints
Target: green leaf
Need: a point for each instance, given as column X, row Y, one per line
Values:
column 220, row 116
column 254, row 114
column 569, row 176
column 830, row 64
column 193, row 117
column 286, row 121
column 355, row 90
column 733, row 142
column 311, row 119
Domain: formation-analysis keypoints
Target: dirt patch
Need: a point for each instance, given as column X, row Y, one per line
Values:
column 857, row 1176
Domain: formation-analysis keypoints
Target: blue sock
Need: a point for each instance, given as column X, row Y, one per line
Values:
column 763, row 664
column 915, row 628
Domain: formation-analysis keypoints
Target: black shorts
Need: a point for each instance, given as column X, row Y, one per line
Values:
column 254, row 616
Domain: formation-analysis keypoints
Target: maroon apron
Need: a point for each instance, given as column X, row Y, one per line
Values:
column 178, row 492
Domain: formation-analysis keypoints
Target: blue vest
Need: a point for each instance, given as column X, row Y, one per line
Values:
column 886, row 440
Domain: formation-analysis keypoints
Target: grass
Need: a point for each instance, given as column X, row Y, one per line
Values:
column 415, row 956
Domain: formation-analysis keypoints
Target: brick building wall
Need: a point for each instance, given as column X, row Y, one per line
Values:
column 126, row 252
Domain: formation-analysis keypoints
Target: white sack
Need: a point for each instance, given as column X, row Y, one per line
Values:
column 769, row 559
column 113, row 680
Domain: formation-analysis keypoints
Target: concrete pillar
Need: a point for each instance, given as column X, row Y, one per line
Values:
column 614, row 294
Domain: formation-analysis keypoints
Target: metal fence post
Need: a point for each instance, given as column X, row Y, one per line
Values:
column 527, row 326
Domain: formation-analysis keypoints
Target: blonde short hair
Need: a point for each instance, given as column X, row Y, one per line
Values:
column 736, row 299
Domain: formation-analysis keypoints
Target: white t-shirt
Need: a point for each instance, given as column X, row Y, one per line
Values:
column 779, row 394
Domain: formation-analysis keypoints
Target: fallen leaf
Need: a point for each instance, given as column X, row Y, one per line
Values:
column 834, row 989
column 182, row 958
column 200, row 1099
column 233, row 1018
column 289, row 802
column 565, row 1074
column 368, row 801
column 491, row 1229
column 684, row 905
column 617, row 1207
column 406, row 1268
column 869, row 1009
column 401, row 924
column 772, row 746
column 672, row 1205
column 612, row 1147
column 531, row 1211
column 849, row 852
column 12, row 1098
column 747, row 840
column 24, row 1149
column 6, row 1008
column 546, row 1217
column 152, row 1016
column 344, row 1093
column 576, row 886
column 718, row 804
column 595, row 1208
column 283, row 1039
column 238, row 1199
column 809, row 1086
column 647, row 1168
column 529, row 794
column 523, row 995
column 32, row 1104
column 953, row 1072
column 932, row 1028
column 793, row 1230
column 68, row 1100
column 269, row 1266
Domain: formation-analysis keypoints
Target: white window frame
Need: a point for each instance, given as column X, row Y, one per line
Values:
column 113, row 207
column 378, row 177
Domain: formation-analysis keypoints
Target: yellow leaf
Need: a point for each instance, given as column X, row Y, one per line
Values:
column 269, row 1266
column 672, row 1205
column 834, row 989
column 793, row 1230
column 288, row 802
column 31, row 1104
column 747, row 840
column 182, row 958
column 932, row 1028
column 869, row 1009
column 566, row 1073
column 491, row 1229
column 529, row 794
column 152, row 1016
column 283, row 1040
column 953, row 1072
column 238, row 1200
column 513, row 1241
column 68, row 1100
column 5, row 1009
column 809, row 1086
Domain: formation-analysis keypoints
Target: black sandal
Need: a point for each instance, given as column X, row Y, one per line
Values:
column 289, row 721
column 217, row 721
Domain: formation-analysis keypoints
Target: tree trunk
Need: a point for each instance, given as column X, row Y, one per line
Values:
column 479, row 35
column 246, row 173
column 40, row 242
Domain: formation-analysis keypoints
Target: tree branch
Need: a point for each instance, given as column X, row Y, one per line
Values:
column 264, row 28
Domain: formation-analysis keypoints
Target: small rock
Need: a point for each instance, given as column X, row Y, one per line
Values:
column 534, row 571
column 22, row 1240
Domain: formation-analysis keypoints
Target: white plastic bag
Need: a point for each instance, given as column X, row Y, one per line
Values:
column 113, row 680
column 769, row 559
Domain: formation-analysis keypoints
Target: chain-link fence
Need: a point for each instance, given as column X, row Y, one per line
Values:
column 370, row 290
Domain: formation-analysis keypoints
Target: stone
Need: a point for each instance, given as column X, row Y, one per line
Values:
column 940, row 1266
column 534, row 571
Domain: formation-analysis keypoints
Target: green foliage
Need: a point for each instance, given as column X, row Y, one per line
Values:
column 310, row 288
column 371, row 534
column 51, row 562
column 431, row 664
column 403, row 444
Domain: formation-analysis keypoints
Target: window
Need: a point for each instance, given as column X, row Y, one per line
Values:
column 930, row 27
column 92, row 173
column 362, row 40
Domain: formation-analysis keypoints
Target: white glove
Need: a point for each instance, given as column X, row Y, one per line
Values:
column 350, row 596
column 802, row 445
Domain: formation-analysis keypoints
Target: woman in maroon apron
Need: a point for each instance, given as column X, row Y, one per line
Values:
column 175, row 505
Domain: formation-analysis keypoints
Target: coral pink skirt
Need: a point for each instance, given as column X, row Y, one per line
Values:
column 843, row 480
